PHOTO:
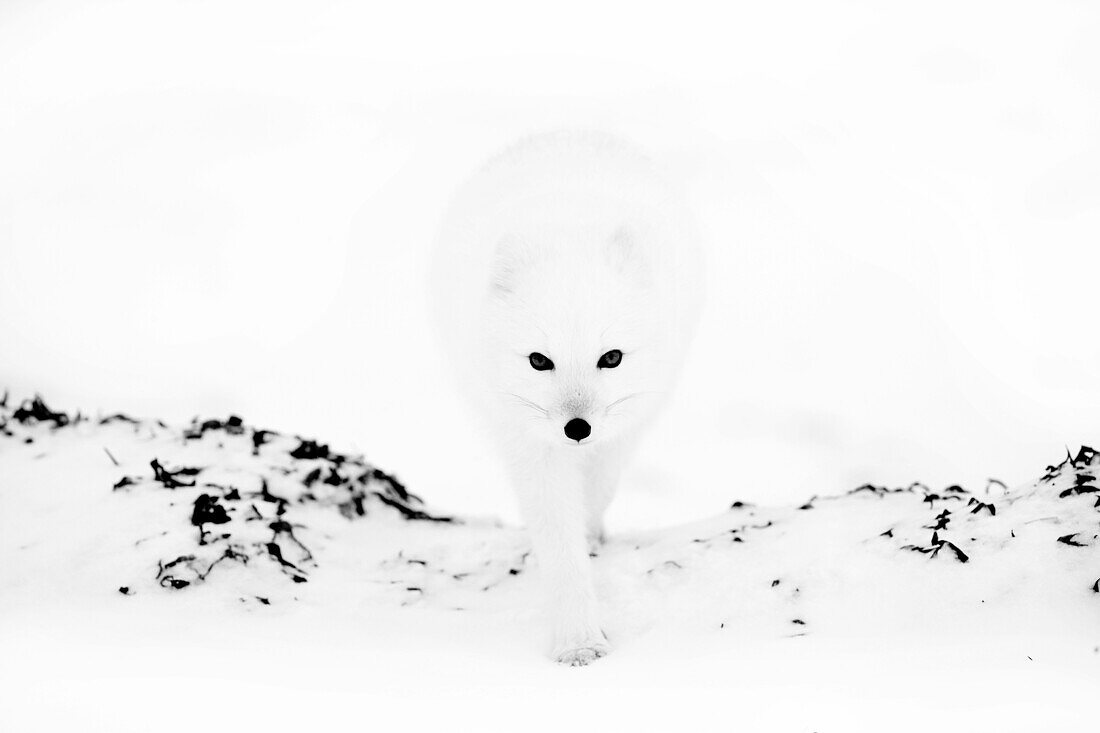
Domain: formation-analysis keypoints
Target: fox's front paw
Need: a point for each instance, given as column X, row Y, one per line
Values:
column 578, row 655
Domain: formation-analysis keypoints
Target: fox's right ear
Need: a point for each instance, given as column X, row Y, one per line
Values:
column 509, row 259
column 625, row 256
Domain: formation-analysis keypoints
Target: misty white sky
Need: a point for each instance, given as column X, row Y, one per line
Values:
column 226, row 207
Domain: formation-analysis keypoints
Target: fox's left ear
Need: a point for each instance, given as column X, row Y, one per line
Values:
column 625, row 254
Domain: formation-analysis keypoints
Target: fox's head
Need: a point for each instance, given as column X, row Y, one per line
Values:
column 577, row 335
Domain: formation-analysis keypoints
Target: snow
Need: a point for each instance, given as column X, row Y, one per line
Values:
column 215, row 207
column 817, row 616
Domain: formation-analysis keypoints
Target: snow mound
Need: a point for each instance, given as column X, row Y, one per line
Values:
column 217, row 493
column 135, row 550
column 220, row 498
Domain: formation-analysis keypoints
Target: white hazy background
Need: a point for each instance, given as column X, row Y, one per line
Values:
column 224, row 207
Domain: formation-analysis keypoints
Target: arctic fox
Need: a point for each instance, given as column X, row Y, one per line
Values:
column 567, row 283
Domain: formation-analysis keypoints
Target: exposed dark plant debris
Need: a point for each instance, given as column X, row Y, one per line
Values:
column 871, row 489
column 941, row 520
column 935, row 545
column 118, row 417
column 259, row 437
column 1083, row 483
column 276, row 552
column 408, row 511
column 35, row 410
column 270, row 523
column 166, row 579
column 1085, row 457
column 980, row 505
column 124, row 482
column 266, row 495
column 168, row 478
column 207, row 510
column 310, row 450
column 393, row 486
column 312, row 477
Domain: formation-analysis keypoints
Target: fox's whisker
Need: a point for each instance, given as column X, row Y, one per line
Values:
column 528, row 403
column 621, row 400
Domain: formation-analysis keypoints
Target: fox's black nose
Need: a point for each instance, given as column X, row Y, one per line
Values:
column 577, row 429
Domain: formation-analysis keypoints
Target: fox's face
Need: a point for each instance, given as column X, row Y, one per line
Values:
column 574, row 337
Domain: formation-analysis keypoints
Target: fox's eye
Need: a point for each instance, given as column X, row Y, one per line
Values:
column 610, row 360
column 540, row 362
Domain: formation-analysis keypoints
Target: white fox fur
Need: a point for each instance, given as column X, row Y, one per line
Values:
column 568, row 245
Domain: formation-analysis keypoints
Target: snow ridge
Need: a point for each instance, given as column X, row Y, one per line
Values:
column 259, row 514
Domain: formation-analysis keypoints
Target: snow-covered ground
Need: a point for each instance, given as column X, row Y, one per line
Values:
column 259, row 581
column 223, row 206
